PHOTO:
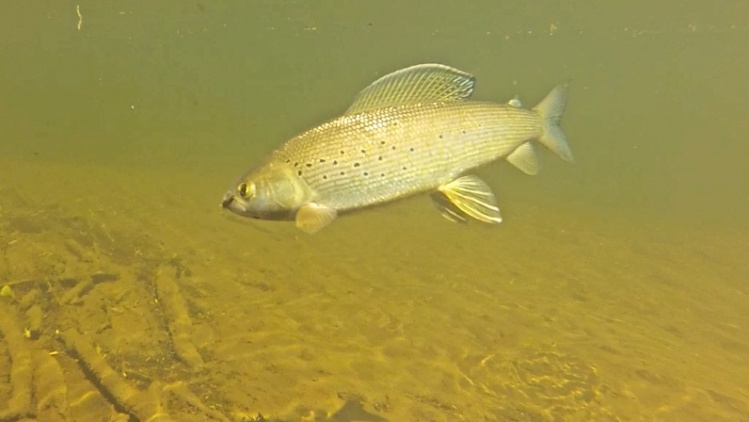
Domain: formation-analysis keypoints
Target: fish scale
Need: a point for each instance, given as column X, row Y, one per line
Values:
column 413, row 130
column 421, row 146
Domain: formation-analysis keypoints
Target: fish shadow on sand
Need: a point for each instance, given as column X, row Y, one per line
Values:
column 351, row 411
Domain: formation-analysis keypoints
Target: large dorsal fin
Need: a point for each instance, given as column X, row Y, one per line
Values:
column 423, row 83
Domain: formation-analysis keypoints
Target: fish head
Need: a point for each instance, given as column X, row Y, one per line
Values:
column 272, row 191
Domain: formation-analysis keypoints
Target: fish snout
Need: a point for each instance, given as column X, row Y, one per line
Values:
column 227, row 200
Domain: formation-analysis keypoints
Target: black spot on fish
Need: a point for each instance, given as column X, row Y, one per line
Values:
column 342, row 173
column 382, row 142
column 463, row 131
column 288, row 161
column 404, row 167
column 343, row 152
column 310, row 164
column 441, row 136
column 335, row 162
column 411, row 149
column 325, row 177
column 382, row 174
column 364, row 151
column 296, row 164
column 365, row 173
column 393, row 147
column 299, row 172
column 322, row 160
column 356, row 164
column 379, row 158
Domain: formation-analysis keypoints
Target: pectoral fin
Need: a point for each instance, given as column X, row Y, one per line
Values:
column 468, row 196
column 312, row 217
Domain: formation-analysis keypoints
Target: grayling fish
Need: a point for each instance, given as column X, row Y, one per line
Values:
column 410, row 131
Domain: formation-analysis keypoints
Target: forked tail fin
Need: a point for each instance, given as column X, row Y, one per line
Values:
column 551, row 109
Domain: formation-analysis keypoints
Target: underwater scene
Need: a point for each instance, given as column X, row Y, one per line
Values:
column 373, row 211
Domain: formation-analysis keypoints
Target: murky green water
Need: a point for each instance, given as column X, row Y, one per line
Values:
column 615, row 288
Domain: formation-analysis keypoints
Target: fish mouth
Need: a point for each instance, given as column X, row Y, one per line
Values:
column 237, row 205
column 227, row 200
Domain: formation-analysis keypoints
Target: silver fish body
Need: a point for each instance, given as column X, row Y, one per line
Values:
column 411, row 131
column 374, row 157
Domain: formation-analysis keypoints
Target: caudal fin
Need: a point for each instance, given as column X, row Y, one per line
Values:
column 551, row 109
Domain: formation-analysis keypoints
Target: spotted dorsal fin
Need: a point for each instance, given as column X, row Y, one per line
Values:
column 424, row 83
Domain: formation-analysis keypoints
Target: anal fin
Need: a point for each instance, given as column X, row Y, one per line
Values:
column 469, row 196
column 524, row 157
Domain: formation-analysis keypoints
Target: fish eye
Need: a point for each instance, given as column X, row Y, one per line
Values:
column 246, row 190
